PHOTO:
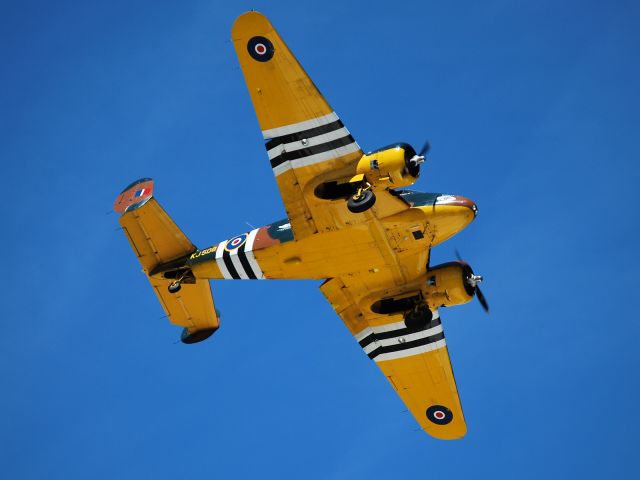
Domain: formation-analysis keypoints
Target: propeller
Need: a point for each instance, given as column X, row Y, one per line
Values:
column 425, row 149
column 482, row 300
column 473, row 281
column 419, row 157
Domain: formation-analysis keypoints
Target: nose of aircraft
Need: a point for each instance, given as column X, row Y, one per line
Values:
column 448, row 215
column 457, row 200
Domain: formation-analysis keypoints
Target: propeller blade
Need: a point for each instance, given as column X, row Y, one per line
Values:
column 482, row 300
column 425, row 149
column 478, row 292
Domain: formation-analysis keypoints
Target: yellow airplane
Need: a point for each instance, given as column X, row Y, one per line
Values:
column 348, row 223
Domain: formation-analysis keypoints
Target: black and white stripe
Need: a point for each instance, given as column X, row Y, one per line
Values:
column 395, row 340
column 239, row 263
column 307, row 143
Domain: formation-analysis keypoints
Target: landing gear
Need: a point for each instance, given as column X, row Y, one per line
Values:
column 174, row 287
column 362, row 200
column 180, row 277
column 418, row 318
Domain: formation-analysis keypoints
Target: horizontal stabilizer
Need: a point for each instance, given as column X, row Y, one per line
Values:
column 161, row 246
column 192, row 308
column 154, row 236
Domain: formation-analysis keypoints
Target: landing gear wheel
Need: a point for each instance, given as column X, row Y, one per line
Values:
column 174, row 287
column 418, row 319
column 361, row 201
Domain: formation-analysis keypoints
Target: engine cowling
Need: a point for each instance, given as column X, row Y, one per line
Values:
column 448, row 285
column 390, row 167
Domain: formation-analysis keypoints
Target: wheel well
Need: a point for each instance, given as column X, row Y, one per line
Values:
column 396, row 304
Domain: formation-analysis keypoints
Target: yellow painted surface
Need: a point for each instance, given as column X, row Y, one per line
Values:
column 424, row 380
column 390, row 168
column 192, row 307
column 367, row 260
column 281, row 91
column 283, row 94
column 446, row 220
column 377, row 254
column 154, row 236
column 387, row 246
column 157, row 240
column 420, row 380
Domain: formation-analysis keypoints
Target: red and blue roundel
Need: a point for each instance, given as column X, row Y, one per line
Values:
column 134, row 196
column 236, row 242
column 439, row 414
column 260, row 49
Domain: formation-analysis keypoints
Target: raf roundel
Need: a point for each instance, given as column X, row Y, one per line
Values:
column 439, row 414
column 260, row 49
column 236, row 242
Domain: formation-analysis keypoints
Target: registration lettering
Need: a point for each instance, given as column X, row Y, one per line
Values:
column 201, row 253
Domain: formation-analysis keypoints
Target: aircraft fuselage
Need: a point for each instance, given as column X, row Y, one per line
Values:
column 394, row 248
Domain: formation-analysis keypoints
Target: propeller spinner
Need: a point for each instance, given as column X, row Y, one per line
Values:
column 419, row 157
column 473, row 282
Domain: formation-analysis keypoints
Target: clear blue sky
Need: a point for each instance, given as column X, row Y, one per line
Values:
column 532, row 109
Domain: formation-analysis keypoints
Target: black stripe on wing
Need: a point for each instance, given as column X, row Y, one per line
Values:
column 309, row 133
column 306, row 152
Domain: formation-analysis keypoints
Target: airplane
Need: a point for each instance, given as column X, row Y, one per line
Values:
column 350, row 223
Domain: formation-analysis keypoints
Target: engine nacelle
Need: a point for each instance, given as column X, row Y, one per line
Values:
column 447, row 285
column 390, row 167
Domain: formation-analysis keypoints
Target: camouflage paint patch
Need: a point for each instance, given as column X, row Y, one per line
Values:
column 277, row 233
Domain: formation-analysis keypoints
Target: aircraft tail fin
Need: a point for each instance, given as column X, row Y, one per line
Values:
column 162, row 249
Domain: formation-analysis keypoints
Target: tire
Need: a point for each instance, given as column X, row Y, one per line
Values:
column 362, row 204
column 418, row 319
column 174, row 287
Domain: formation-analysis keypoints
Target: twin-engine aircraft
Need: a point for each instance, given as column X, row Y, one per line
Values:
column 348, row 223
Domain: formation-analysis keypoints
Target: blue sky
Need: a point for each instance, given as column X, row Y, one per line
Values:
column 532, row 109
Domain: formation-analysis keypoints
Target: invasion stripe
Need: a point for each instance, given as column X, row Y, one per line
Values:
column 219, row 260
column 373, row 336
column 240, row 263
column 251, row 258
column 310, row 133
column 235, row 259
column 310, row 142
column 317, row 158
column 245, row 263
column 412, row 351
column 300, row 126
column 388, row 327
column 403, row 339
column 406, row 345
column 226, row 257
column 309, row 151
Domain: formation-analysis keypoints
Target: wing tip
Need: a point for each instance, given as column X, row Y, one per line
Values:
column 253, row 21
column 456, row 433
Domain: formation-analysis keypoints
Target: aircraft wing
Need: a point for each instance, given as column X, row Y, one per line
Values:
column 305, row 140
column 416, row 363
